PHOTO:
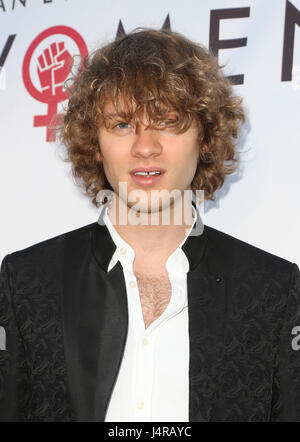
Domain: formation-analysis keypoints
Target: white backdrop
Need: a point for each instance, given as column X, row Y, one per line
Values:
column 259, row 204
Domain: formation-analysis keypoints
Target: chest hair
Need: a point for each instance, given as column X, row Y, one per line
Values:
column 155, row 294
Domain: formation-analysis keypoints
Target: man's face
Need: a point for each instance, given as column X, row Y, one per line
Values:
column 125, row 147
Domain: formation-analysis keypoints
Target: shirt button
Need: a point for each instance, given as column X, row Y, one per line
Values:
column 140, row 405
column 123, row 250
column 132, row 284
column 145, row 341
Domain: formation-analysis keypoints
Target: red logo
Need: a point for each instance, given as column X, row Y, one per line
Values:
column 50, row 66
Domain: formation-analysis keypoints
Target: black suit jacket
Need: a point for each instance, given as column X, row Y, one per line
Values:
column 66, row 322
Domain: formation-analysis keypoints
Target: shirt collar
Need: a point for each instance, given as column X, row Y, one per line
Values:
column 125, row 253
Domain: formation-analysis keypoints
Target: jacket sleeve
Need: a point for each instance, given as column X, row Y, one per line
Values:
column 13, row 369
column 286, row 382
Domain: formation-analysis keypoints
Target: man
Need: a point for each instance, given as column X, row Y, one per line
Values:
column 144, row 321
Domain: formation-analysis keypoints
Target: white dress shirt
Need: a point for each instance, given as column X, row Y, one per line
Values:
column 153, row 380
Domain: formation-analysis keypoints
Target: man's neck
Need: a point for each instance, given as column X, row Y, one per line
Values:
column 158, row 240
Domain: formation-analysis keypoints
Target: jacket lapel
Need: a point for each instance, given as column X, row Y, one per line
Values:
column 95, row 322
column 206, row 304
column 206, row 286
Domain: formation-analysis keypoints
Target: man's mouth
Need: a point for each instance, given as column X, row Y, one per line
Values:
column 147, row 173
column 146, row 177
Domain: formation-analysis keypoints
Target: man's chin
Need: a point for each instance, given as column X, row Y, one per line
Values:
column 147, row 207
column 140, row 201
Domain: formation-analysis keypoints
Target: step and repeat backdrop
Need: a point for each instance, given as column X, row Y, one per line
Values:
column 257, row 40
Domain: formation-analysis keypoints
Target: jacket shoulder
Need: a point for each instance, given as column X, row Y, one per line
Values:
column 48, row 249
column 243, row 254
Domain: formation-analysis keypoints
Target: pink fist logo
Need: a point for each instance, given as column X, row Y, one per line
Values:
column 54, row 66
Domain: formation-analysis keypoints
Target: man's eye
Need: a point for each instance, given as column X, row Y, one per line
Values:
column 166, row 123
column 122, row 126
column 169, row 121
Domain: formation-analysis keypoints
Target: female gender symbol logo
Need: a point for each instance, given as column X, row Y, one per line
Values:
column 53, row 68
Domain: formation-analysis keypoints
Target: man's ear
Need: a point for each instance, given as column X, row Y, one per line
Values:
column 98, row 157
column 204, row 148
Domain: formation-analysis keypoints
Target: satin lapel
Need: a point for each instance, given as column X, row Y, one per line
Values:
column 95, row 326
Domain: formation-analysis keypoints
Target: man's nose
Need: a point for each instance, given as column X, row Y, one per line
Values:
column 146, row 142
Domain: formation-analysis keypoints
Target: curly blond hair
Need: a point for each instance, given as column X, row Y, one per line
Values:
column 161, row 70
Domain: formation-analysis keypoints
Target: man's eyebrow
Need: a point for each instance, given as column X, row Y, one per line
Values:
column 110, row 115
column 115, row 116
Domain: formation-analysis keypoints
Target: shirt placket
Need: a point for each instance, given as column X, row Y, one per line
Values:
column 145, row 377
column 143, row 343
